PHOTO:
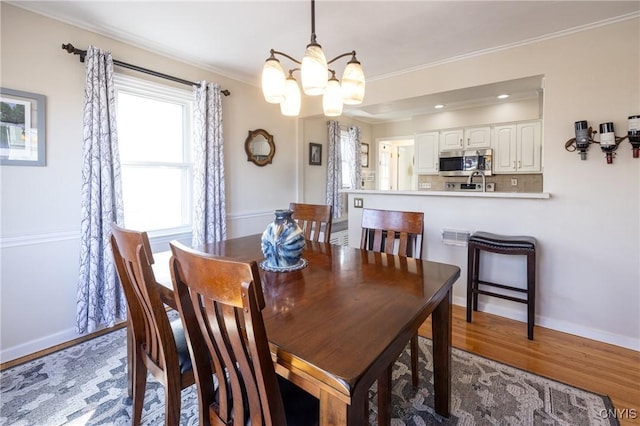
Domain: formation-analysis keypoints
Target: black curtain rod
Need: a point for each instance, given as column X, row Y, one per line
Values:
column 70, row 49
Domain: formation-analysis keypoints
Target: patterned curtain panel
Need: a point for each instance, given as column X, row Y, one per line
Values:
column 209, row 215
column 355, row 146
column 100, row 297
column 334, row 169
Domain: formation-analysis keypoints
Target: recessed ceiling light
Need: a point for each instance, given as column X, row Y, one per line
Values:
column 439, row 106
column 503, row 96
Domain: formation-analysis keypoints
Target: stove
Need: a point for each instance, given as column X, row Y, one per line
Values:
column 467, row 187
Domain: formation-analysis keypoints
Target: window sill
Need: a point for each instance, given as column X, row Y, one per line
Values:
column 159, row 240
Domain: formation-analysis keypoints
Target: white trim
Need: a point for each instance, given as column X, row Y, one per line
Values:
column 240, row 216
column 33, row 346
column 137, row 85
column 158, row 237
column 160, row 243
column 533, row 40
column 149, row 46
column 421, row 193
column 161, row 93
column 558, row 325
column 31, row 239
column 140, row 43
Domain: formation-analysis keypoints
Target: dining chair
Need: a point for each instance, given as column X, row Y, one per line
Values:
column 158, row 344
column 220, row 302
column 400, row 233
column 313, row 218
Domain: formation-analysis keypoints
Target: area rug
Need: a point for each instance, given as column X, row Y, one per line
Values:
column 86, row 385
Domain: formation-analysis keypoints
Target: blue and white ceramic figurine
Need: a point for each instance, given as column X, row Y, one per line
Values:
column 282, row 244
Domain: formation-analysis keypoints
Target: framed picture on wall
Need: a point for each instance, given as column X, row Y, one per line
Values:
column 21, row 128
column 364, row 153
column 315, row 154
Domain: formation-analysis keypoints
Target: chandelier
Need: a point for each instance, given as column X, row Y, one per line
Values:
column 314, row 73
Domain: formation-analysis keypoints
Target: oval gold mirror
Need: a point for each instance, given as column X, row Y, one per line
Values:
column 260, row 147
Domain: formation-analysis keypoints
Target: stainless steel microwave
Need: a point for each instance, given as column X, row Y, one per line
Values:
column 463, row 163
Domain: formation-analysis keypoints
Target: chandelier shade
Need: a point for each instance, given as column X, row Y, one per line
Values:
column 273, row 81
column 313, row 70
column 332, row 98
column 353, row 83
column 314, row 76
column 291, row 104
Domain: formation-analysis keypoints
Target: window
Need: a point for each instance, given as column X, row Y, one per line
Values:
column 348, row 162
column 154, row 138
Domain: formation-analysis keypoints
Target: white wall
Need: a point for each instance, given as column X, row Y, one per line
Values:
column 314, row 129
column 39, row 239
column 589, row 230
column 521, row 110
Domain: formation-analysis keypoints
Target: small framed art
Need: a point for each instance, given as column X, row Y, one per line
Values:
column 315, row 154
column 364, row 154
column 22, row 137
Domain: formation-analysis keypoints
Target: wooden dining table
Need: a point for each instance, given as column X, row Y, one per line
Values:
column 339, row 324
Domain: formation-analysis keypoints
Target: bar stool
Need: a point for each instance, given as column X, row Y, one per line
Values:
column 510, row 245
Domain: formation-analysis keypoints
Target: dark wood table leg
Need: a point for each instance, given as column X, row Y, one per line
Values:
column 441, row 328
column 384, row 397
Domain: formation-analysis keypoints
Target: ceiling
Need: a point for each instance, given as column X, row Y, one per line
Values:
column 233, row 38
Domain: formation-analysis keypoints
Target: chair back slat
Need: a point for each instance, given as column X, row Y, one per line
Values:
column 220, row 301
column 151, row 328
column 312, row 219
column 383, row 230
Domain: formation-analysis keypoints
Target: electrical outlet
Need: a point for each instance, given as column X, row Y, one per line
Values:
column 424, row 185
column 357, row 203
column 514, row 182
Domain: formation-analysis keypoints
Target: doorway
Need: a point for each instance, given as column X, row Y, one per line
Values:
column 396, row 165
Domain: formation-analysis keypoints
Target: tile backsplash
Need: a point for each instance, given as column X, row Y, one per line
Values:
column 503, row 183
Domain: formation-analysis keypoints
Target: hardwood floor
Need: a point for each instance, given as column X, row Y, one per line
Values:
column 587, row 364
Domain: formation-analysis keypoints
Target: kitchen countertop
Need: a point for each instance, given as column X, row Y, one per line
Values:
column 529, row 195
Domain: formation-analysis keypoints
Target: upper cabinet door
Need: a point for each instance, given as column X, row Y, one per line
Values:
column 426, row 153
column 517, row 148
column 451, row 139
column 477, row 137
column 504, row 149
column 529, row 146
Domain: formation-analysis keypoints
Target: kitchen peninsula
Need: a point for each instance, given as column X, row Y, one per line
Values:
column 449, row 217
column 532, row 195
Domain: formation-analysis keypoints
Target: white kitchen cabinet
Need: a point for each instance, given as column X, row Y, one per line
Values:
column 517, row 148
column 451, row 139
column 426, row 153
column 504, row 149
column 477, row 137
column 468, row 138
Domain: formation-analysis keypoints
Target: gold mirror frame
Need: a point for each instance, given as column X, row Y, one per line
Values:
column 259, row 159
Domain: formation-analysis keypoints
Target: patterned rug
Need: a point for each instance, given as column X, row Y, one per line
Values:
column 86, row 385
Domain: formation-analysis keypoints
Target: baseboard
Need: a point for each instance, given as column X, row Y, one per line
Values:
column 557, row 325
column 36, row 345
